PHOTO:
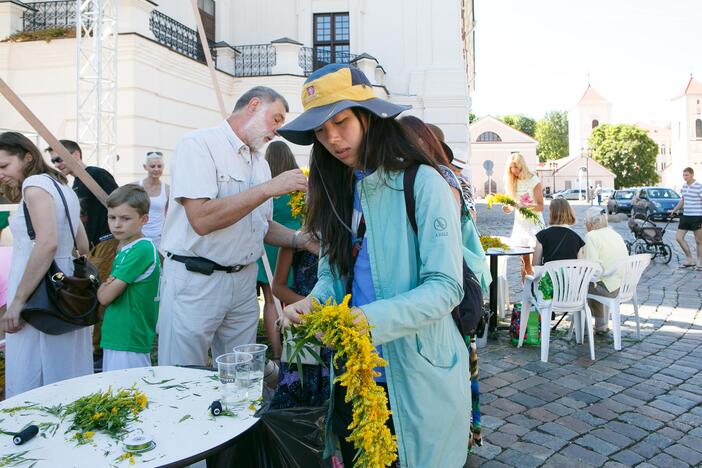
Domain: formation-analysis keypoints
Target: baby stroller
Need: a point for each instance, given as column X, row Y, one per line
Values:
column 648, row 238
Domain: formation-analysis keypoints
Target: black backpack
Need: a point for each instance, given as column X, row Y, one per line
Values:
column 469, row 312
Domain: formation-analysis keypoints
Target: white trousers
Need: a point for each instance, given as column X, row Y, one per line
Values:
column 199, row 312
column 35, row 359
column 116, row 360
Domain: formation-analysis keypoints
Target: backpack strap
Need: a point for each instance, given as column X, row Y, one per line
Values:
column 408, row 188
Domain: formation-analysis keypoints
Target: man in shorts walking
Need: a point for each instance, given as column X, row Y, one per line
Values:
column 691, row 219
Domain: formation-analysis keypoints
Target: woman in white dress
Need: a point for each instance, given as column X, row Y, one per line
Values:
column 526, row 189
column 33, row 358
column 159, row 193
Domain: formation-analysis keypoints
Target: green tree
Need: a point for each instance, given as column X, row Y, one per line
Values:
column 520, row 122
column 471, row 118
column 552, row 135
column 627, row 151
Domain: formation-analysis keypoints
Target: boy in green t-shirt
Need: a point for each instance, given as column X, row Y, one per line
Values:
column 131, row 291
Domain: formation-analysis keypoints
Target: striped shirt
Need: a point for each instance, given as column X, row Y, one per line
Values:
column 692, row 194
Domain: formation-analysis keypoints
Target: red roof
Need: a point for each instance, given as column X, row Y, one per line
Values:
column 693, row 87
column 591, row 96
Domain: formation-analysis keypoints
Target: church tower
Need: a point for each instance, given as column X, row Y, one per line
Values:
column 686, row 132
column 591, row 111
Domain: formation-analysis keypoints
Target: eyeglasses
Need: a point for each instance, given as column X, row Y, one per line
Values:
column 56, row 160
column 154, row 153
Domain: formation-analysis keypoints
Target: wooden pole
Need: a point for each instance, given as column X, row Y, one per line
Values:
column 74, row 164
column 223, row 111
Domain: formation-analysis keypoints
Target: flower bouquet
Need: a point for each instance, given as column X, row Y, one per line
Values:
column 298, row 200
column 527, row 213
column 489, row 242
column 338, row 328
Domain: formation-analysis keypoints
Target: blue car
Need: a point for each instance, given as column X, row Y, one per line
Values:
column 620, row 201
column 656, row 202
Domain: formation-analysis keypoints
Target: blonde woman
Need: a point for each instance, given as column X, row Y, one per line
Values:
column 159, row 193
column 525, row 187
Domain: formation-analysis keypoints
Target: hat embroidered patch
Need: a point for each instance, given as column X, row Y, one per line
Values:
column 310, row 90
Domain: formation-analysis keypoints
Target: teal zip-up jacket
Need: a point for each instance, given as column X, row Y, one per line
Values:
column 417, row 281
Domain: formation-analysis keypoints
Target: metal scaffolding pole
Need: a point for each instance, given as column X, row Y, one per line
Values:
column 96, row 81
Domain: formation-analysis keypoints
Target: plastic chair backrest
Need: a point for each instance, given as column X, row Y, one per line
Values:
column 571, row 279
column 633, row 269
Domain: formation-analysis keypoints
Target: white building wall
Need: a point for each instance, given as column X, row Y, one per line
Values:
column 580, row 120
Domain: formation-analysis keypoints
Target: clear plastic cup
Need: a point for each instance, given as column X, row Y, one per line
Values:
column 233, row 370
column 258, row 351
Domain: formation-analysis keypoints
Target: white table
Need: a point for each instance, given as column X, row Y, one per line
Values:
column 177, row 419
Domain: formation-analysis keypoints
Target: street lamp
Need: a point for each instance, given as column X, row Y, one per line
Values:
column 553, row 165
column 586, row 154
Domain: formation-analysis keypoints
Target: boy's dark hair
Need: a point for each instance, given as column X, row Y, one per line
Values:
column 70, row 145
column 133, row 195
column 689, row 170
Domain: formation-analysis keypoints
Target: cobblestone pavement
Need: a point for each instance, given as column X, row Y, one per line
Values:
column 641, row 406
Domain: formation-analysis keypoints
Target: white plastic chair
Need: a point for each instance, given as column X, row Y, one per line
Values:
column 571, row 279
column 632, row 269
column 502, row 285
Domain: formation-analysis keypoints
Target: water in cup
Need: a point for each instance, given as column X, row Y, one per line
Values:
column 253, row 380
column 230, row 367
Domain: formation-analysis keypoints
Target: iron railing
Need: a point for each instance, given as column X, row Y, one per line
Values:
column 254, row 60
column 311, row 59
column 177, row 36
column 45, row 15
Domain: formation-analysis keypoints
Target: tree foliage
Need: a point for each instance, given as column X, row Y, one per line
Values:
column 520, row 122
column 472, row 118
column 552, row 135
column 627, row 151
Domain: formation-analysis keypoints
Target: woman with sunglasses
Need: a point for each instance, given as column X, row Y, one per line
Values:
column 403, row 284
column 159, row 193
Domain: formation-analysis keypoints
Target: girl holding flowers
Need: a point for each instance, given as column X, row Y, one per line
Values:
column 524, row 187
column 403, row 285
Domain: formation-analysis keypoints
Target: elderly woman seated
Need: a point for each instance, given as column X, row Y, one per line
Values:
column 604, row 245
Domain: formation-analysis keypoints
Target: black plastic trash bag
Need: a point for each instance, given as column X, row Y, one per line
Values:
column 282, row 438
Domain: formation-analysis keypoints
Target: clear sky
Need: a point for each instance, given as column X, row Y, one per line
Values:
column 533, row 56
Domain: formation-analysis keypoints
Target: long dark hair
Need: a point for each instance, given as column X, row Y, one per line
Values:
column 427, row 140
column 18, row 145
column 386, row 146
column 280, row 158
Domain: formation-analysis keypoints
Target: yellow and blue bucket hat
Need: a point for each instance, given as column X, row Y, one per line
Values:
column 330, row 90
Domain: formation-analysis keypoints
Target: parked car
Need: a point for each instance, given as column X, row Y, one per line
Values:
column 607, row 193
column 656, row 202
column 571, row 194
column 620, row 201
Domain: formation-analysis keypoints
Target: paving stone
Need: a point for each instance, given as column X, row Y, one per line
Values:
column 628, row 430
column 588, row 418
column 501, row 439
column 584, row 397
column 613, row 464
column 558, row 409
column 537, row 451
column 503, row 392
column 490, row 422
column 641, row 421
column 677, row 401
column 686, row 454
column 612, row 437
column 584, row 455
column 516, row 458
column 494, row 464
column 508, row 405
column 655, row 413
column 574, row 424
column 559, row 461
column 487, row 450
column 666, row 406
column 529, row 382
column 558, row 430
column 523, row 421
column 595, row 443
column 692, row 442
column 673, row 434
column 627, row 400
column 664, row 460
column 510, row 428
column 527, row 401
column 541, row 414
column 651, row 445
column 492, row 411
column 628, row 457
column 546, row 440
column 571, row 403
column 601, row 411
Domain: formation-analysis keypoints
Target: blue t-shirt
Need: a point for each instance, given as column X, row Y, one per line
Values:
column 362, row 290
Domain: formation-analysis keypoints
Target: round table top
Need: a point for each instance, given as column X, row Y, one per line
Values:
column 494, row 251
column 177, row 418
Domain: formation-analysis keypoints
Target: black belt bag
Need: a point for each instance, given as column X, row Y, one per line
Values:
column 204, row 266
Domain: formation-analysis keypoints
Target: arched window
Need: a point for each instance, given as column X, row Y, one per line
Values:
column 595, row 123
column 489, row 136
column 698, row 128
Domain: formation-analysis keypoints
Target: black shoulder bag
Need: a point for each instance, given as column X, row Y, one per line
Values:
column 63, row 303
column 468, row 313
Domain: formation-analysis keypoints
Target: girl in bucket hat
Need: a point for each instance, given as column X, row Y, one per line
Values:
column 405, row 284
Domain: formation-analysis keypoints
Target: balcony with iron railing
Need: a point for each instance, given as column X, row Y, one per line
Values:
column 283, row 56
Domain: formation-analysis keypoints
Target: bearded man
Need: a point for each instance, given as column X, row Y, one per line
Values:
column 220, row 213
